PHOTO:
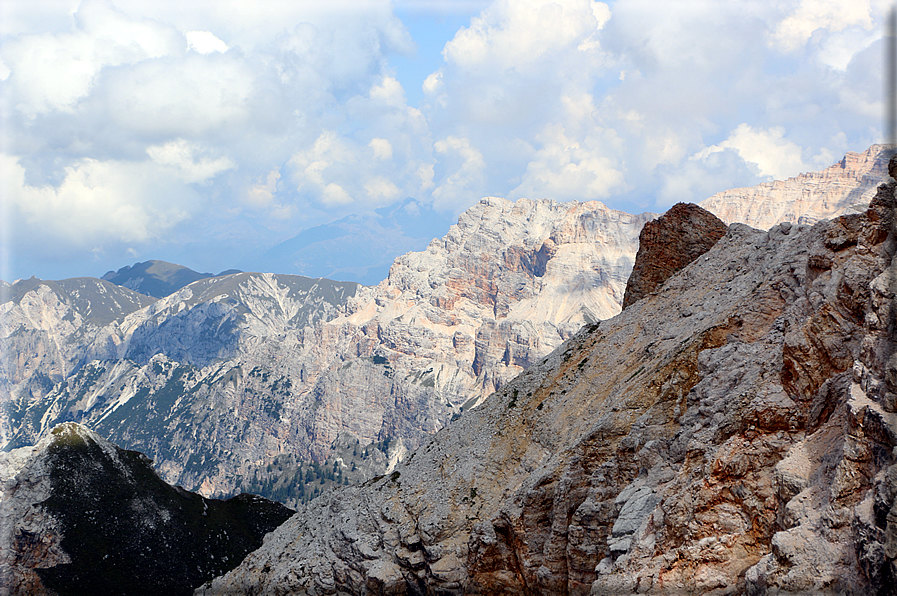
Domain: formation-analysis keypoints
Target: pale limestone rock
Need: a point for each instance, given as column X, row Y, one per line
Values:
column 219, row 378
column 748, row 395
column 845, row 187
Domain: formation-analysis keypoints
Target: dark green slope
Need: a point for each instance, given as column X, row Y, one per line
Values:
column 128, row 532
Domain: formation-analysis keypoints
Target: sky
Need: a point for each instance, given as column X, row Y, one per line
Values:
column 205, row 132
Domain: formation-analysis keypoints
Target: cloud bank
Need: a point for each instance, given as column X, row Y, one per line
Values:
column 130, row 126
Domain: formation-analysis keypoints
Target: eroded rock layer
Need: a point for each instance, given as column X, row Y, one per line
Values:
column 732, row 432
column 845, row 187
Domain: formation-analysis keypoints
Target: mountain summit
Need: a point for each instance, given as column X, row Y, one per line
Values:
column 157, row 278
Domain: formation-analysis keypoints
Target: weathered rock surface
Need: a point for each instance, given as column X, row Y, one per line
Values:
column 668, row 244
column 78, row 515
column 845, row 187
column 219, row 379
column 731, row 433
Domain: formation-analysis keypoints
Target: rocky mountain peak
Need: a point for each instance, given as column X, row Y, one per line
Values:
column 668, row 244
column 844, row 187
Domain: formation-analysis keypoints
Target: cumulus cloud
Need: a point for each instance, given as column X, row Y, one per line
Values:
column 773, row 155
column 466, row 167
column 567, row 169
column 96, row 201
column 183, row 160
column 136, row 119
column 381, row 147
column 204, row 42
column 812, row 15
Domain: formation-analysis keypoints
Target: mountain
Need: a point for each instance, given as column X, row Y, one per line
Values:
column 233, row 380
column 732, row 431
column 52, row 328
column 157, row 278
column 227, row 376
column 79, row 515
column 845, row 187
column 358, row 247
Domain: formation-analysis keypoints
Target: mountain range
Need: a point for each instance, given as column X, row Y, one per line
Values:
column 228, row 379
column 731, row 431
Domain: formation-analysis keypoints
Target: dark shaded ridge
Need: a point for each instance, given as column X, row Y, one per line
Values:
column 128, row 532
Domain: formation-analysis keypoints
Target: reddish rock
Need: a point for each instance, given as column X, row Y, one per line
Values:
column 668, row 244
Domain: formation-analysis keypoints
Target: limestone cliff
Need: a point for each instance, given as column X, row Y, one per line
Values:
column 78, row 516
column 732, row 432
column 845, row 187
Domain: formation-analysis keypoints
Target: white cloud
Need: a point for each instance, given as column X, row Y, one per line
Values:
column 514, row 34
column 389, row 91
column 334, row 194
column 813, row 15
column 769, row 150
column 566, row 169
column 381, row 190
column 180, row 156
column 170, row 111
column 95, row 202
column 52, row 72
column 204, row 42
column 261, row 195
column 382, row 148
column 433, row 82
column 458, row 189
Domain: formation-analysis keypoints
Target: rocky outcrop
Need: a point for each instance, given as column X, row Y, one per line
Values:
column 732, row 432
column 845, row 187
column 78, row 515
column 668, row 244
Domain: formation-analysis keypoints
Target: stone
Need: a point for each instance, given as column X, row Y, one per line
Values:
column 668, row 244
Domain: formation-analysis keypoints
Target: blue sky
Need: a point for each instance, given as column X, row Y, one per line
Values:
column 204, row 132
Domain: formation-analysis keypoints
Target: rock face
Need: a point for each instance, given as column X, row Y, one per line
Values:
column 668, row 244
column 733, row 432
column 78, row 515
column 221, row 378
column 845, row 187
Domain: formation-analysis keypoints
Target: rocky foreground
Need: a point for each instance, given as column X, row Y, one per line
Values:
column 731, row 432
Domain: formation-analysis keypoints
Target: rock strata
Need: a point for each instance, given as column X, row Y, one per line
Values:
column 732, row 432
column 845, row 187
column 79, row 516
column 668, row 244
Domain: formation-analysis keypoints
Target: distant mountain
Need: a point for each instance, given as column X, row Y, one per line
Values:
column 358, row 247
column 157, row 278
column 845, row 187
column 228, row 378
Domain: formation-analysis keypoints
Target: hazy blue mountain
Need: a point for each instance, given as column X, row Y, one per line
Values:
column 157, row 278
column 358, row 247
